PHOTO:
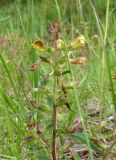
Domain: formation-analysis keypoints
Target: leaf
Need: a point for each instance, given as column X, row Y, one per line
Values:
column 61, row 60
column 7, row 156
column 98, row 142
column 65, row 72
column 80, row 138
column 71, row 85
column 33, row 103
column 41, row 105
column 41, row 88
column 43, row 156
column 30, row 139
column 60, row 101
column 45, row 59
column 44, row 108
column 76, row 157
column 78, row 42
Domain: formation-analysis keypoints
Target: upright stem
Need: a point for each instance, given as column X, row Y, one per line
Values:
column 55, row 114
column 54, row 143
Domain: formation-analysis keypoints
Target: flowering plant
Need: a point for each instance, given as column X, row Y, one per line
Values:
column 56, row 58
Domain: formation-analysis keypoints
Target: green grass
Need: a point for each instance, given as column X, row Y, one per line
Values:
column 20, row 25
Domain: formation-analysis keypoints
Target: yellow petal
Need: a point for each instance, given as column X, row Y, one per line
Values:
column 78, row 42
column 39, row 46
column 60, row 43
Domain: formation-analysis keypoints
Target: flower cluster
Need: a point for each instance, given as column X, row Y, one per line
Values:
column 78, row 42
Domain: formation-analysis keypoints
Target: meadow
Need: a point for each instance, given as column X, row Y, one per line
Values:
column 57, row 79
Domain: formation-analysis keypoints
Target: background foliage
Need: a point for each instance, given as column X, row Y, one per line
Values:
column 22, row 110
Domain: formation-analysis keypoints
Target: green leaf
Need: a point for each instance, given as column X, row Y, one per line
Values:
column 65, row 72
column 80, row 138
column 76, row 157
column 46, row 59
column 43, row 156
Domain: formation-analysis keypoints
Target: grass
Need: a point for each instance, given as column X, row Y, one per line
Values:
column 93, row 98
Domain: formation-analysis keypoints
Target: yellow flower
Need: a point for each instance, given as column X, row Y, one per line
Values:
column 78, row 42
column 60, row 43
column 39, row 46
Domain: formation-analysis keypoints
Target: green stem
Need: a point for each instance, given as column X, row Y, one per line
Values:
column 54, row 144
column 55, row 115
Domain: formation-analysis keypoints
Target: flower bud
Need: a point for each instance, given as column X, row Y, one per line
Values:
column 60, row 43
column 79, row 60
